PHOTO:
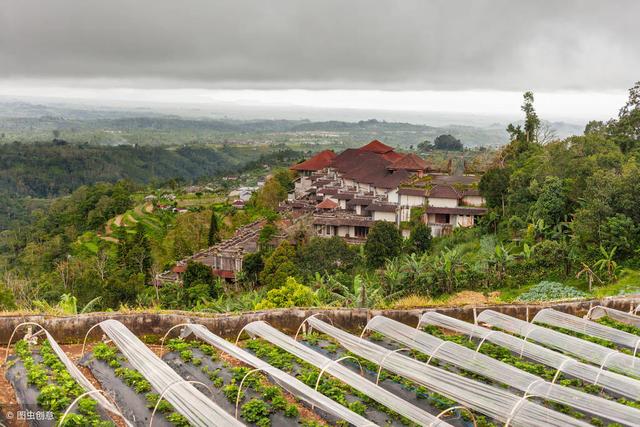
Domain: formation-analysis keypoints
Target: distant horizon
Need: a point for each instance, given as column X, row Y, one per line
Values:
column 437, row 108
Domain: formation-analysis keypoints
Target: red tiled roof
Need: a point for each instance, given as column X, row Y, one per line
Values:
column 471, row 192
column 444, row 192
column 315, row 163
column 179, row 268
column 392, row 156
column 376, row 147
column 327, row 204
column 410, row 162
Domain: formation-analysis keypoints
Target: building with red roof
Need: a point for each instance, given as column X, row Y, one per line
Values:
column 377, row 183
column 318, row 162
column 327, row 204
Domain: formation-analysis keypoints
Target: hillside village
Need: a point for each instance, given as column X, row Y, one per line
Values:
column 345, row 194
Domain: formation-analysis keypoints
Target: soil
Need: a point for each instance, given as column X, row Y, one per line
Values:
column 473, row 298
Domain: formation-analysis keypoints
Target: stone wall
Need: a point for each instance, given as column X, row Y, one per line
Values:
column 72, row 329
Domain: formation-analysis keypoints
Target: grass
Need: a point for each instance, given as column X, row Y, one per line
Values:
column 628, row 283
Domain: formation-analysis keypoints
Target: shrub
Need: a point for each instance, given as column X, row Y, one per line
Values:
column 292, row 294
column 546, row 291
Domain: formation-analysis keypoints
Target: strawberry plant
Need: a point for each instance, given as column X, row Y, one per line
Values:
column 255, row 410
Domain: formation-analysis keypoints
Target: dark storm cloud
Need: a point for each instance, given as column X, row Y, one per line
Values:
column 400, row 44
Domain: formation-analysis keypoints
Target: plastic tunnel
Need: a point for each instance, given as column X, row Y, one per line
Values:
column 494, row 402
column 603, row 357
column 344, row 374
column 613, row 382
column 584, row 326
column 186, row 399
column 617, row 315
column 294, row 386
column 501, row 372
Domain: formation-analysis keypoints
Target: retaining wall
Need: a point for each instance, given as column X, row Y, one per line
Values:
column 72, row 329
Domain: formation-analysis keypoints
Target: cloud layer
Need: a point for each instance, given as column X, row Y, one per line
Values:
column 408, row 44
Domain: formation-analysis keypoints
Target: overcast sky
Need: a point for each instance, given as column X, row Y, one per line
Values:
column 374, row 52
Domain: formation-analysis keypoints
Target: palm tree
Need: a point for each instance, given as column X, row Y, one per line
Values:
column 607, row 262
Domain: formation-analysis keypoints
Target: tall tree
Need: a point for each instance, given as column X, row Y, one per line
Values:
column 531, row 121
column 214, row 232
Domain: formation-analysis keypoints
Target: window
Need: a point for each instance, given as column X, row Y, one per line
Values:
column 442, row 218
column 361, row 231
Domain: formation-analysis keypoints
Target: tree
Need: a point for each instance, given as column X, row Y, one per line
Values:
column 531, row 121
column 626, row 130
column 590, row 275
column 607, row 263
column 134, row 252
column 214, row 232
column 278, row 266
column 425, row 146
column 200, row 276
column 493, row 186
column 325, row 256
column 275, row 190
column 620, row 232
column 252, row 265
column 420, row 238
column 448, row 142
column 383, row 242
column 552, row 203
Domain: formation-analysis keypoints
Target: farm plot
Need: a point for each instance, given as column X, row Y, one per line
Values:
column 260, row 402
column 43, row 385
column 130, row 390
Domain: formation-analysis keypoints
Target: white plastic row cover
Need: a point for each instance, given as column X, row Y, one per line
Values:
column 501, row 372
column 611, row 381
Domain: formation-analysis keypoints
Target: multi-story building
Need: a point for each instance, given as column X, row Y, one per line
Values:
column 359, row 186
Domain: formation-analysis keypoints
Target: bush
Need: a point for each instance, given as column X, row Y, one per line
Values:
column 292, row 294
column 547, row 291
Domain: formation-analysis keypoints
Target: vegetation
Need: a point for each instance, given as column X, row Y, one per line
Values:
column 549, row 291
column 561, row 211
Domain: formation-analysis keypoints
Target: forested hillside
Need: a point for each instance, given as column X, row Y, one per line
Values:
column 55, row 168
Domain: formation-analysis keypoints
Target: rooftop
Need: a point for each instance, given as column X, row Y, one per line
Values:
column 315, row 163
column 327, row 204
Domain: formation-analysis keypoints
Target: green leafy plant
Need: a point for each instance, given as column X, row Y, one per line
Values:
column 255, row 410
column 548, row 291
